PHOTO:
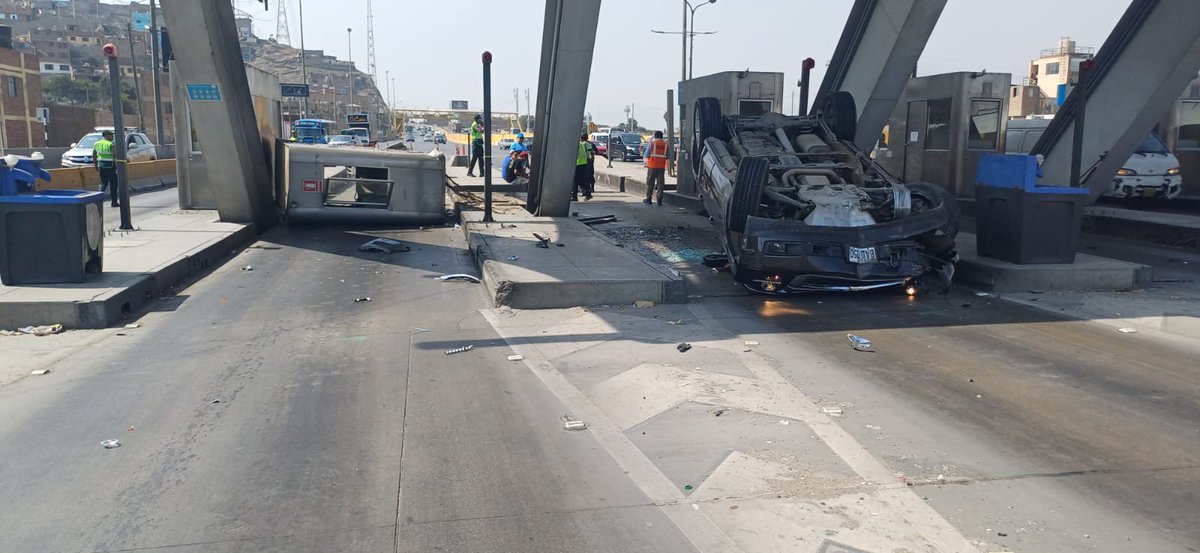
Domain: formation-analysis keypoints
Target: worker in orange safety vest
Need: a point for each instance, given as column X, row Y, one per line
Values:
column 656, row 167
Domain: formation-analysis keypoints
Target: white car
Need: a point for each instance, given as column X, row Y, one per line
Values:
column 342, row 140
column 80, row 154
column 506, row 143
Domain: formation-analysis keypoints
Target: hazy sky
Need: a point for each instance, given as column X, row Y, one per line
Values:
column 434, row 53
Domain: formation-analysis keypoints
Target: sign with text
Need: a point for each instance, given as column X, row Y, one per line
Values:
column 204, row 92
column 357, row 118
column 312, row 185
column 292, row 90
column 458, row 104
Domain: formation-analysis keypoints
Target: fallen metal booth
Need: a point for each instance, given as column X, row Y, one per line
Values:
column 324, row 184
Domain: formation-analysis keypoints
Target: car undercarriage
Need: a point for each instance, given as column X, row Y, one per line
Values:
column 800, row 208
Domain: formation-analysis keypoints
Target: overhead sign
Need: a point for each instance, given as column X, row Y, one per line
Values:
column 357, row 118
column 293, row 90
column 458, row 104
column 204, row 92
column 141, row 21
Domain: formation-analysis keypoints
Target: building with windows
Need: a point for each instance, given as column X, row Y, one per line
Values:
column 20, row 96
column 1056, row 71
column 56, row 69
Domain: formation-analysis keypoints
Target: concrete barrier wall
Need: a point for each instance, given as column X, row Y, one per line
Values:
column 54, row 155
column 142, row 174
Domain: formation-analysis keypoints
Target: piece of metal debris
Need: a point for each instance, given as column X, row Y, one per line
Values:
column 683, row 347
column 718, row 412
column 680, row 322
column 572, row 423
column 542, row 241
column 832, row 411
column 598, row 219
column 40, row 372
column 459, row 276
column 248, row 268
column 384, row 245
column 133, row 325
column 460, row 350
column 513, row 258
column 517, row 357
column 1127, row 330
column 361, row 299
column 750, row 342
column 859, row 343
column 110, row 444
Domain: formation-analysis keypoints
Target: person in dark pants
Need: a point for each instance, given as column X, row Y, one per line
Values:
column 476, row 138
column 585, row 176
column 656, row 167
column 104, row 162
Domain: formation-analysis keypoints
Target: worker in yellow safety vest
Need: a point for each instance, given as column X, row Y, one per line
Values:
column 585, row 176
column 476, row 139
column 656, row 167
column 105, row 163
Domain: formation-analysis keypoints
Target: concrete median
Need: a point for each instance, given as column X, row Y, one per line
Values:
column 143, row 175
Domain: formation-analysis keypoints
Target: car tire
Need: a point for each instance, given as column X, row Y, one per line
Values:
column 706, row 124
column 752, row 176
column 934, row 195
column 841, row 115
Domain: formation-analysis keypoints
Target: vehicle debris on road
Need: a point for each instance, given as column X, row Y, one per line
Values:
column 110, row 444
column 468, row 347
column 459, row 276
column 133, row 325
column 384, row 246
column 542, row 241
column 42, row 330
column 39, row 372
column 598, row 219
column 859, row 343
column 361, row 299
column 643, row 304
column 683, row 347
column 1127, row 330
column 517, row 357
column 248, row 268
column 572, row 423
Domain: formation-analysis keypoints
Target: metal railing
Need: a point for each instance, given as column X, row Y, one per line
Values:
column 1061, row 51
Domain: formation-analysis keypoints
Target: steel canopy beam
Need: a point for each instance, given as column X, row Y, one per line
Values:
column 875, row 57
column 568, row 38
column 1140, row 71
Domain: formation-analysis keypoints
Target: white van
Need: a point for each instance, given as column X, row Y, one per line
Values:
column 1151, row 172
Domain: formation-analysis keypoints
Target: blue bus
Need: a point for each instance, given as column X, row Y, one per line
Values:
column 312, row 131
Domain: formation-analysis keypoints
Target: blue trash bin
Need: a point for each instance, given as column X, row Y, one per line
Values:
column 1020, row 222
column 50, row 236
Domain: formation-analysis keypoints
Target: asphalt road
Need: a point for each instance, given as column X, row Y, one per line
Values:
column 267, row 410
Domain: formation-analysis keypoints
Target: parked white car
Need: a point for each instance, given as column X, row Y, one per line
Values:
column 80, row 154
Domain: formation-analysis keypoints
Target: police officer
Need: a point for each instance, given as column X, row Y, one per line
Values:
column 476, row 138
column 585, row 176
column 103, row 161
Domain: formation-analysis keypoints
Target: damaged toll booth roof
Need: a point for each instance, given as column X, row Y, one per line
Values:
column 319, row 183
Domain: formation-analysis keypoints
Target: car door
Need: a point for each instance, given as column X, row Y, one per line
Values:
column 141, row 148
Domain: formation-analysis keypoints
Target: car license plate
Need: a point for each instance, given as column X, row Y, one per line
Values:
column 1149, row 192
column 862, row 255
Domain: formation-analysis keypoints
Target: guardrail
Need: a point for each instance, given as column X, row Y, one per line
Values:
column 142, row 174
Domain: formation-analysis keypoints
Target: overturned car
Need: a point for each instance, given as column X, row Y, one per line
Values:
column 799, row 208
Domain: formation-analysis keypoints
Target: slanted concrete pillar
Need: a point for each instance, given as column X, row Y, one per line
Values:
column 209, row 62
column 1140, row 72
column 875, row 57
column 568, row 38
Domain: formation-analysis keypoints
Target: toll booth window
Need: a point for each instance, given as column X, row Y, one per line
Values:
column 1189, row 137
column 937, row 131
column 754, row 108
column 357, row 187
column 985, row 125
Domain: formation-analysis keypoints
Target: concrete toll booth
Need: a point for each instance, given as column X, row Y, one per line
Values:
column 195, row 189
column 1181, row 131
column 748, row 93
column 942, row 126
column 361, row 185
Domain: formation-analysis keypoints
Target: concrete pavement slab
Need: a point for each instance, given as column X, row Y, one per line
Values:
column 164, row 249
column 585, row 270
column 1089, row 272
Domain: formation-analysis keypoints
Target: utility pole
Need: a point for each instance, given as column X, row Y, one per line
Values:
column 158, row 111
column 137, row 89
column 303, row 57
column 487, row 137
column 350, row 72
column 517, row 100
column 528, row 111
column 683, row 51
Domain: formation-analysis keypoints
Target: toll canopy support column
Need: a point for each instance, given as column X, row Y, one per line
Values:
column 875, row 57
column 209, row 60
column 1140, row 71
column 568, row 38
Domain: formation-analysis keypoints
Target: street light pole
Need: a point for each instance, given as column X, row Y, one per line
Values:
column 692, row 36
column 158, row 112
column 683, row 51
column 303, row 55
column 350, row 72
